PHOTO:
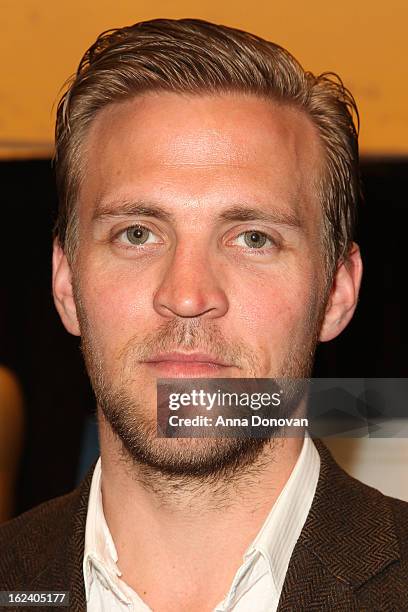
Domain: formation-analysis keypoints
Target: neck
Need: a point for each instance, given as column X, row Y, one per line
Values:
column 188, row 523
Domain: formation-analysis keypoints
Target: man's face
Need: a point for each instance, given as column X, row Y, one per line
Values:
column 199, row 235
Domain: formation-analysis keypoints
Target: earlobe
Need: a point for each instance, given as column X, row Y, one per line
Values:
column 63, row 291
column 343, row 296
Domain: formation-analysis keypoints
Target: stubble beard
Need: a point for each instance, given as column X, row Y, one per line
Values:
column 133, row 422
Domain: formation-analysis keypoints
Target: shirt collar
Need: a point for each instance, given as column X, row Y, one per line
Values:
column 274, row 542
column 100, row 551
column 278, row 535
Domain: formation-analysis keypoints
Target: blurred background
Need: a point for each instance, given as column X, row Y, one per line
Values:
column 46, row 406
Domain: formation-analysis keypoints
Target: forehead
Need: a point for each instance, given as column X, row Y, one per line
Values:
column 184, row 148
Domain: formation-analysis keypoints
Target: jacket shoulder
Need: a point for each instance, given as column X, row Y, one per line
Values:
column 400, row 512
column 30, row 540
column 353, row 518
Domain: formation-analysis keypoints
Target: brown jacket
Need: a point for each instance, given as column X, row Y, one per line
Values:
column 352, row 554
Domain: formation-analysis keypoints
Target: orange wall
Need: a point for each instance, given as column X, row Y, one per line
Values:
column 41, row 43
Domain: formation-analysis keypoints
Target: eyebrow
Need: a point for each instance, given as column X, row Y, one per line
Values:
column 244, row 213
column 241, row 213
column 130, row 208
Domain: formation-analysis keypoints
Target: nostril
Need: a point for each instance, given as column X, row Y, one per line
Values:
column 210, row 304
column 190, row 291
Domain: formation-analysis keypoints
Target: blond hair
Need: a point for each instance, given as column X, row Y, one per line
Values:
column 194, row 56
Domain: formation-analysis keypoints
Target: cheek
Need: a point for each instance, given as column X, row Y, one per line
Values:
column 118, row 306
column 273, row 311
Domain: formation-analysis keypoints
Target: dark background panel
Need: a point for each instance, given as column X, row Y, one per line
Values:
column 48, row 361
column 376, row 341
column 32, row 339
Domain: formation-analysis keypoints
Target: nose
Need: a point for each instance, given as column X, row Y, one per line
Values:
column 190, row 288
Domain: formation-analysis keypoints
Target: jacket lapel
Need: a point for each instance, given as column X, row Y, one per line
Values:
column 347, row 539
column 65, row 555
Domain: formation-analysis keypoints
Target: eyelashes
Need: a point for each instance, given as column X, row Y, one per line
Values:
column 139, row 235
column 251, row 240
column 255, row 239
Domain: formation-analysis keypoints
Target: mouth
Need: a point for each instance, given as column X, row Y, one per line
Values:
column 177, row 365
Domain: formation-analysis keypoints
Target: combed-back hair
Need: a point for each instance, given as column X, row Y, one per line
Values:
column 196, row 57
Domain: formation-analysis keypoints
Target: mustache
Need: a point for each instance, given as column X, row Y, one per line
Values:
column 189, row 335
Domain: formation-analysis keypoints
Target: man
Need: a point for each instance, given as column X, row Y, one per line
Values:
column 208, row 188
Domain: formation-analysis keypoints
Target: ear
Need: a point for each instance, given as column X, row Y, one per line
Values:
column 342, row 301
column 62, row 290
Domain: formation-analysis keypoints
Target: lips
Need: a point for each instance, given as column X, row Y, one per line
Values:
column 186, row 358
column 186, row 364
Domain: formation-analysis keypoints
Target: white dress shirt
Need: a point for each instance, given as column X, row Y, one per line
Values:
column 258, row 583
